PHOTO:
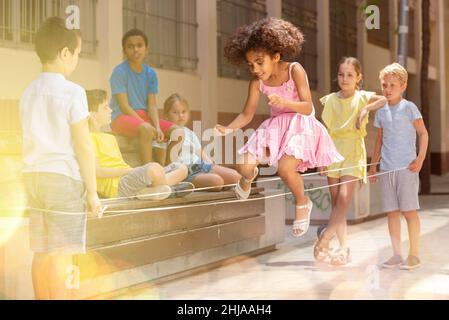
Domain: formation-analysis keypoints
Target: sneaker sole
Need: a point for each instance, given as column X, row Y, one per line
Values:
column 409, row 267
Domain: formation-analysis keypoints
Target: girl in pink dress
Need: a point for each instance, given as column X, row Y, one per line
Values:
column 291, row 138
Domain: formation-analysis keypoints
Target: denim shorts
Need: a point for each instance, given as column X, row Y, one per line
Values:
column 198, row 168
column 56, row 233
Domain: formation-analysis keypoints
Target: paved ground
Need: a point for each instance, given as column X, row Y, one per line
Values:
column 291, row 273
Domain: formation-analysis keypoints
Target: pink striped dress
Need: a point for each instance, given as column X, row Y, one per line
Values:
column 290, row 133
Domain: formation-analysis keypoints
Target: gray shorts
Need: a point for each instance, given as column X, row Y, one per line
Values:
column 136, row 180
column 399, row 191
column 56, row 233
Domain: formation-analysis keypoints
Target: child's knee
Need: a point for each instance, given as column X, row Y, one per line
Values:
column 411, row 215
column 216, row 182
column 146, row 132
column 155, row 170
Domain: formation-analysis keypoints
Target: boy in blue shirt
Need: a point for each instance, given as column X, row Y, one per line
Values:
column 134, row 87
column 398, row 122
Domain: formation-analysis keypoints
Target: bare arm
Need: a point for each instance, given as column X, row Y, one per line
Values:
column 305, row 105
column 249, row 110
column 125, row 108
column 375, row 158
column 103, row 173
column 423, row 137
column 153, row 114
column 375, row 103
column 86, row 158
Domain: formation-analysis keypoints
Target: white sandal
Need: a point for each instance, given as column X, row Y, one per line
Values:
column 156, row 193
column 242, row 194
column 302, row 225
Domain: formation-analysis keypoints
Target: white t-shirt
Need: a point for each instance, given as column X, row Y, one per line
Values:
column 48, row 107
column 189, row 148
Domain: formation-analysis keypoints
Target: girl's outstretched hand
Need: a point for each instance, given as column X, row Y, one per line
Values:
column 222, row 130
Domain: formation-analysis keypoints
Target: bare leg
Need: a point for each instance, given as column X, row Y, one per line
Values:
column 177, row 175
column 337, row 222
column 394, row 227
column 414, row 226
column 246, row 168
column 58, row 268
column 160, row 154
column 205, row 180
column 287, row 172
column 229, row 176
column 176, row 135
column 39, row 274
column 146, row 136
column 156, row 174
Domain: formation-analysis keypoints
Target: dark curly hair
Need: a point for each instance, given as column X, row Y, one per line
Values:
column 270, row 35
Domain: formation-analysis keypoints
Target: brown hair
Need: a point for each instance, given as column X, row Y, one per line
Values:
column 357, row 67
column 95, row 98
column 52, row 37
column 171, row 100
column 133, row 33
column 269, row 35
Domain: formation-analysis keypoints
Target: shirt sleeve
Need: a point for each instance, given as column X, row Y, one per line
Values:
column 366, row 96
column 327, row 111
column 78, row 108
column 413, row 112
column 118, row 82
column 153, row 83
column 377, row 120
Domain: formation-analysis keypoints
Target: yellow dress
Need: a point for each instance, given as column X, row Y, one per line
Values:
column 108, row 154
column 340, row 116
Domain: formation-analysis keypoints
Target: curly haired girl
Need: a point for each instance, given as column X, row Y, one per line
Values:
column 291, row 138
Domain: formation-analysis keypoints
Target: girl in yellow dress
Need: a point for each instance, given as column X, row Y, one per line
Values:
column 346, row 116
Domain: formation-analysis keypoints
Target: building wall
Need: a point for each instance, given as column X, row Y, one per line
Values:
column 216, row 99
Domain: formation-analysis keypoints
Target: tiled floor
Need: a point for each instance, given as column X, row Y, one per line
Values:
column 291, row 273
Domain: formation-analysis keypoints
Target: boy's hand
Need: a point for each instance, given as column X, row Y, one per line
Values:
column 159, row 135
column 94, row 207
column 372, row 174
column 361, row 118
column 416, row 165
column 322, row 172
column 222, row 130
column 274, row 100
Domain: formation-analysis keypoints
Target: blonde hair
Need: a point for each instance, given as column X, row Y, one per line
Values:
column 171, row 100
column 395, row 69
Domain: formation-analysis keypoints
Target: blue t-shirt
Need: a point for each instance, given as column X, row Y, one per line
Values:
column 399, row 134
column 136, row 85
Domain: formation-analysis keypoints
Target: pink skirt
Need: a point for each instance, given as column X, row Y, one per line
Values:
column 293, row 134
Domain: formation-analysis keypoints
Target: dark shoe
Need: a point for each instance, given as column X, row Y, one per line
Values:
column 182, row 189
column 411, row 263
column 394, row 261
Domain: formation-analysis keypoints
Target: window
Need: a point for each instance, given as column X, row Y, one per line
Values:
column 343, row 32
column 381, row 37
column 171, row 27
column 232, row 14
column 20, row 20
column 303, row 14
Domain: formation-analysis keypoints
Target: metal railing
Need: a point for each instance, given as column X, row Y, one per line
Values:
column 303, row 14
column 232, row 14
column 20, row 20
column 171, row 27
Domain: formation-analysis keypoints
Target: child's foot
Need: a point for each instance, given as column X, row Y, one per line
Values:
column 155, row 193
column 243, row 187
column 393, row 262
column 411, row 263
column 302, row 219
column 341, row 257
column 182, row 189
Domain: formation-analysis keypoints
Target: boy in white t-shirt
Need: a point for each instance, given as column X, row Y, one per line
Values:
column 59, row 161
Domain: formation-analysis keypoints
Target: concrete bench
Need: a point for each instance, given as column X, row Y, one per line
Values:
column 156, row 241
